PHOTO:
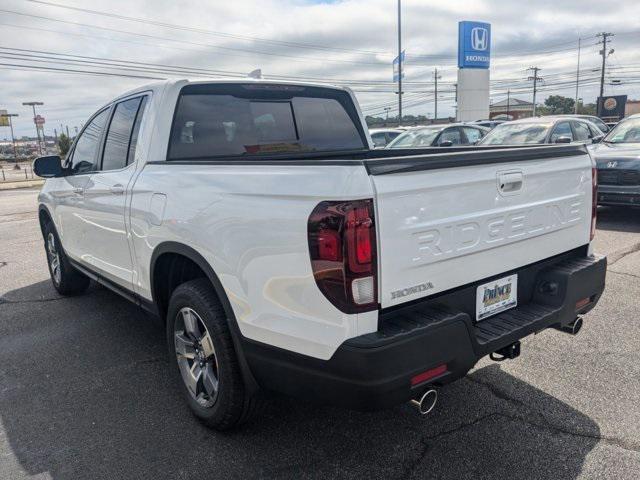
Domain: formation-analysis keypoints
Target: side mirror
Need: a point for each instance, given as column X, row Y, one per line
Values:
column 48, row 167
column 563, row 140
column 446, row 143
column 597, row 139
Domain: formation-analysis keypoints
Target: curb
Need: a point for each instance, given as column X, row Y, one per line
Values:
column 21, row 184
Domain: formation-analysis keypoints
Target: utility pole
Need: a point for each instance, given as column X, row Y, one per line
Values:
column 13, row 139
column 605, row 36
column 508, row 103
column 535, row 79
column 455, row 85
column 386, row 110
column 435, row 96
column 575, row 108
column 399, row 64
column 33, row 105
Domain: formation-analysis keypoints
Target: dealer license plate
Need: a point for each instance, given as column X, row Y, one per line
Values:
column 496, row 296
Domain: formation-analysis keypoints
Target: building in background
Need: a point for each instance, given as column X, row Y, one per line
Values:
column 632, row 107
column 510, row 109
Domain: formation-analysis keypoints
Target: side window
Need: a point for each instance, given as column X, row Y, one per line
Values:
column 379, row 139
column 451, row 135
column 85, row 152
column 473, row 134
column 392, row 136
column 582, row 132
column 562, row 129
column 117, row 152
column 601, row 125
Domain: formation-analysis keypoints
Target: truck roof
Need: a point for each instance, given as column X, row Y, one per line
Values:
column 179, row 82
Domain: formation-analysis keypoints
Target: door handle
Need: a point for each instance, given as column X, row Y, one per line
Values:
column 78, row 190
column 117, row 189
column 510, row 182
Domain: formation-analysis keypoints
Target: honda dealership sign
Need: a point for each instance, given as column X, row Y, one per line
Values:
column 474, row 55
column 474, row 44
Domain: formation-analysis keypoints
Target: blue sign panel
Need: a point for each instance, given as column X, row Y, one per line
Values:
column 474, row 44
column 396, row 66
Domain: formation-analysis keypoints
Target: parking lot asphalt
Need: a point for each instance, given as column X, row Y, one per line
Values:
column 85, row 392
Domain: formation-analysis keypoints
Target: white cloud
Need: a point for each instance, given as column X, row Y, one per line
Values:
column 429, row 29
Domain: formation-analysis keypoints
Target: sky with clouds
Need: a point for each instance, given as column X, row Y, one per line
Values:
column 45, row 48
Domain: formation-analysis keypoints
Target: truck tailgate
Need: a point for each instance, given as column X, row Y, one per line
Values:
column 451, row 219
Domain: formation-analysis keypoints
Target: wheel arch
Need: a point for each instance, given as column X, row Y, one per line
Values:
column 182, row 250
column 44, row 216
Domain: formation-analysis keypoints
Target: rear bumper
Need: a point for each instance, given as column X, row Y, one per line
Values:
column 618, row 195
column 374, row 370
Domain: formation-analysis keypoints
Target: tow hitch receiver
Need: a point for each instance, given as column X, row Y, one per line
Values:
column 509, row 352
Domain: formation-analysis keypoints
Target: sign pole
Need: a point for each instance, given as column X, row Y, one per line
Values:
column 9, row 116
column 33, row 105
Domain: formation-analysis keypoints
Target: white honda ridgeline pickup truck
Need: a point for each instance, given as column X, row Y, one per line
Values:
column 285, row 254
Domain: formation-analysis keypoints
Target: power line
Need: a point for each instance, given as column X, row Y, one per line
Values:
column 156, row 37
column 205, row 31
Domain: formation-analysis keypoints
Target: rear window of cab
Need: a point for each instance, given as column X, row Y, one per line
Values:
column 236, row 120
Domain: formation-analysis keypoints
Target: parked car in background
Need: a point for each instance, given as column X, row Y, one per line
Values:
column 440, row 136
column 383, row 136
column 597, row 121
column 540, row 130
column 489, row 123
column 618, row 162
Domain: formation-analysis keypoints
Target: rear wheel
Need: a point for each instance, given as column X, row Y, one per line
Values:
column 66, row 279
column 202, row 350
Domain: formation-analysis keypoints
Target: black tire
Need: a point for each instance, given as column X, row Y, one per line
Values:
column 231, row 404
column 66, row 280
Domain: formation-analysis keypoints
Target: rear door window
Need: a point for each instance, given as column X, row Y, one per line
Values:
column 246, row 120
column 117, row 152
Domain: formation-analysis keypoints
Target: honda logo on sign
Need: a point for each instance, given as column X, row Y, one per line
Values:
column 479, row 39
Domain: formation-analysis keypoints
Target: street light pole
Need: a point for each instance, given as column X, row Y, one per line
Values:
column 13, row 139
column 577, row 78
column 33, row 105
column 399, row 64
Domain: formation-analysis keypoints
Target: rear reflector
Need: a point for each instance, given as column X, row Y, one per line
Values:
column 594, row 200
column 429, row 374
column 583, row 303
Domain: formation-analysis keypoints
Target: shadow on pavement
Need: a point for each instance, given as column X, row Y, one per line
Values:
column 85, row 392
column 619, row 219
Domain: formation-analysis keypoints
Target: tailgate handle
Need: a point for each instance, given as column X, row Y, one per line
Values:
column 510, row 182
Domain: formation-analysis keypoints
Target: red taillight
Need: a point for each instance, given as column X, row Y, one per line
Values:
column 594, row 200
column 342, row 246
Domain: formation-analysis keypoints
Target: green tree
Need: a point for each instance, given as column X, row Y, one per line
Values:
column 557, row 104
column 587, row 108
column 64, row 144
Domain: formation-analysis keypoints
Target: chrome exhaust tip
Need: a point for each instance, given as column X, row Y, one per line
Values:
column 427, row 402
column 572, row 328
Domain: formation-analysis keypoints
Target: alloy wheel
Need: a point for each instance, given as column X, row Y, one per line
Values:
column 54, row 258
column 196, row 357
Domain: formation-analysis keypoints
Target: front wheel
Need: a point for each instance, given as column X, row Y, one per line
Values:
column 202, row 351
column 66, row 279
